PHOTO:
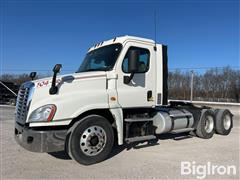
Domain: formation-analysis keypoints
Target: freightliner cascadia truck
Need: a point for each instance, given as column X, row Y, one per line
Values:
column 119, row 93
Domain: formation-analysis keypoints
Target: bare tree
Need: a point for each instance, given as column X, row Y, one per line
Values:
column 213, row 85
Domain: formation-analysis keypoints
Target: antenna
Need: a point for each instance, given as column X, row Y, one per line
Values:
column 155, row 29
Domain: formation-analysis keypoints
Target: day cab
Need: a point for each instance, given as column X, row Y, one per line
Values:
column 118, row 94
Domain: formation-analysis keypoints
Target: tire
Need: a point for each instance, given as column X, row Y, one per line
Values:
column 205, row 127
column 91, row 140
column 223, row 121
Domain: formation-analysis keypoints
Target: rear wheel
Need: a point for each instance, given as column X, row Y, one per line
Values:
column 205, row 127
column 223, row 122
column 91, row 140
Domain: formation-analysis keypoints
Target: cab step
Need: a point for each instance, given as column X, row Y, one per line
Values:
column 181, row 130
column 137, row 119
column 140, row 138
column 187, row 115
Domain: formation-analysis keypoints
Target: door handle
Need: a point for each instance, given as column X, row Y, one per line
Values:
column 149, row 96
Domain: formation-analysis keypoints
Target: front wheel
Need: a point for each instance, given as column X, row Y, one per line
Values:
column 91, row 140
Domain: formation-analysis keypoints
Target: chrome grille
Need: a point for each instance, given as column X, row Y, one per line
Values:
column 23, row 101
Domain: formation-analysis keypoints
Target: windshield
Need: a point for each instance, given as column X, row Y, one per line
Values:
column 102, row 59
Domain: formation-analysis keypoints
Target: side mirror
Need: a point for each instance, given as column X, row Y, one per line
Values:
column 133, row 59
column 32, row 75
column 54, row 88
column 57, row 68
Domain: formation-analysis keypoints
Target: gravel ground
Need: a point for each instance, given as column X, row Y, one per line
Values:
column 159, row 161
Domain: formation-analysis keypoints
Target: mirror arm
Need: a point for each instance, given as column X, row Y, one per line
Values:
column 54, row 88
column 131, row 76
column 127, row 79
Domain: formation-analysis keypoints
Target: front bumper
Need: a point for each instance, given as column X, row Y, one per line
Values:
column 40, row 140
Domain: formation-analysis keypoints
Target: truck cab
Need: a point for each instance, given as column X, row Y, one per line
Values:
column 119, row 93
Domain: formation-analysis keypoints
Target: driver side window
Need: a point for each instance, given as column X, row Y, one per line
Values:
column 143, row 64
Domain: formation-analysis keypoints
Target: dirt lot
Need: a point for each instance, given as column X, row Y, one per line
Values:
column 160, row 161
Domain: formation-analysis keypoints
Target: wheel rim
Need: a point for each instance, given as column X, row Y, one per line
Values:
column 93, row 140
column 227, row 122
column 209, row 124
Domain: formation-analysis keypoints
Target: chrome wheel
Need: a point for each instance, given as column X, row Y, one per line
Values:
column 209, row 124
column 93, row 140
column 227, row 122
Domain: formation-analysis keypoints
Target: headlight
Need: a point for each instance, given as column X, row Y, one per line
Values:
column 43, row 114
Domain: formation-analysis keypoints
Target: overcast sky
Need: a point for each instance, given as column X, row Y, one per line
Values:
column 35, row 35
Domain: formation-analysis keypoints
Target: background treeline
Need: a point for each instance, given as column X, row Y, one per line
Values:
column 13, row 82
column 17, row 79
column 215, row 84
column 220, row 85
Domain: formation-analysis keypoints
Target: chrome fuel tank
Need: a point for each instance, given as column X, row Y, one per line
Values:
column 171, row 119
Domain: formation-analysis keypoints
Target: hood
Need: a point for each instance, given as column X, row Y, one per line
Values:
column 75, row 91
column 45, row 82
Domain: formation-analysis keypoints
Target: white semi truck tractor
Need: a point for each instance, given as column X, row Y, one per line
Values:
column 119, row 93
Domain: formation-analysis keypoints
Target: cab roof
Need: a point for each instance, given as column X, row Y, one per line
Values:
column 121, row 40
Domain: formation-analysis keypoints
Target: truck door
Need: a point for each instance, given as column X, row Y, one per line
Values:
column 140, row 92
